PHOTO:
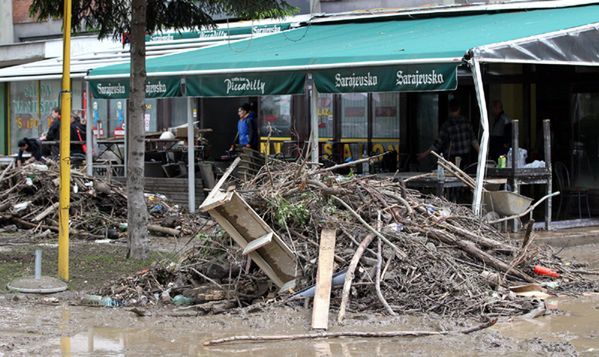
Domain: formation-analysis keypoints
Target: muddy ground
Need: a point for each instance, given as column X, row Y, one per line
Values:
column 55, row 325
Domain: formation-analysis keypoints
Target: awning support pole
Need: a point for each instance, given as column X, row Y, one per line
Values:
column 89, row 134
column 191, row 179
column 484, row 142
column 313, row 121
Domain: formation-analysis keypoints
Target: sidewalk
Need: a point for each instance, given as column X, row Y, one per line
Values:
column 566, row 237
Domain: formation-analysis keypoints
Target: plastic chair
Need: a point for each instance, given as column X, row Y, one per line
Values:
column 567, row 191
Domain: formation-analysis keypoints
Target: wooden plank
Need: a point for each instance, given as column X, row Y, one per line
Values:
column 45, row 213
column 219, row 199
column 258, row 243
column 324, row 278
column 216, row 189
column 242, row 242
column 246, row 220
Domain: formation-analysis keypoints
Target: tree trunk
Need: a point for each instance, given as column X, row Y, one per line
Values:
column 137, row 212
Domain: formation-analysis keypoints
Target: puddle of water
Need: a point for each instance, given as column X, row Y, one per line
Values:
column 113, row 342
column 578, row 323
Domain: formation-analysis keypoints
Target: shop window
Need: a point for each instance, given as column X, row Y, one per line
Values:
column 325, row 116
column 99, row 113
column 275, row 115
column 77, row 99
column 584, row 166
column 24, row 112
column 49, row 99
column 150, row 115
column 354, row 117
column 386, row 116
column 117, row 117
column 178, row 111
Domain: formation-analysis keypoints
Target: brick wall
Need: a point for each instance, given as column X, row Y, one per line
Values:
column 20, row 11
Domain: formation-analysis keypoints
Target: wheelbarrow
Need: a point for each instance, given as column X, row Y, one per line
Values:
column 511, row 205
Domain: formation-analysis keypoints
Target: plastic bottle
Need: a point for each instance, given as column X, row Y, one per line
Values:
column 182, row 300
column 365, row 164
column 440, row 171
column 92, row 299
column 501, row 162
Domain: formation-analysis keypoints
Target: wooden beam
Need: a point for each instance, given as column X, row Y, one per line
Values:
column 257, row 244
column 324, row 278
column 218, row 185
column 46, row 212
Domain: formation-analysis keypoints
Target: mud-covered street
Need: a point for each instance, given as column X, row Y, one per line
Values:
column 43, row 328
column 54, row 325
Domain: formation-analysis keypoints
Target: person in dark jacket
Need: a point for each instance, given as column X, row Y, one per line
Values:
column 456, row 138
column 54, row 131
column 32, row 146
column 501, row 133
column 78, row 131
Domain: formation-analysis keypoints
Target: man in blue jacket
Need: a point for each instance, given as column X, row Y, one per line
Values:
column 247, row 129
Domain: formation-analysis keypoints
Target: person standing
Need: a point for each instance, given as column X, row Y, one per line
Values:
column 456, row 138
column 247, row 129
column 53, row 131
column 78, row 131
column 501, row 134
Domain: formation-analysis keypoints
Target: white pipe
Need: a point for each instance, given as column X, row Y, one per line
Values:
column 467, row 9
column 314, row 122
column 191, row 178
column 484, row 142
column 543, row 62
column 89, row 134
column 336, row 65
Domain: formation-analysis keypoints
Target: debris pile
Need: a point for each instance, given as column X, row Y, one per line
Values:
column 398, row 251
column 212, row 276
column 423, row 253
column 29, row 198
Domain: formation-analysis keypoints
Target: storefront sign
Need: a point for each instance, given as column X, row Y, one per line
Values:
column 219, row 32
column 241, row 85
column 406, row 78
column 119, row 88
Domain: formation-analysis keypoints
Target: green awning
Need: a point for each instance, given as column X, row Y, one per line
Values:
column 421, row 49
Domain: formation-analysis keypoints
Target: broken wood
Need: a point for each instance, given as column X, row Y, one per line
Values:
column 349, row 276
column 379, row 293
column 12, row 163
column 314, row 335
column 399, row 252
column 46, row 212
column 324, row 277
column 164, row 230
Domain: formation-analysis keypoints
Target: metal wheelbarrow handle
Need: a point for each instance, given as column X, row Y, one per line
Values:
column 527, row 211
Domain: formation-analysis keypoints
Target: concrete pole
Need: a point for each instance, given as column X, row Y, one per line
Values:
column 6, row 23
column 89, row 133
column 314, row 122
column 191, row 173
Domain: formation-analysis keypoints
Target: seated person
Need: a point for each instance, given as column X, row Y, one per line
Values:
column 33, row 147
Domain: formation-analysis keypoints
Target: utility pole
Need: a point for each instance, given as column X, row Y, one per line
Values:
column 65, row 151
